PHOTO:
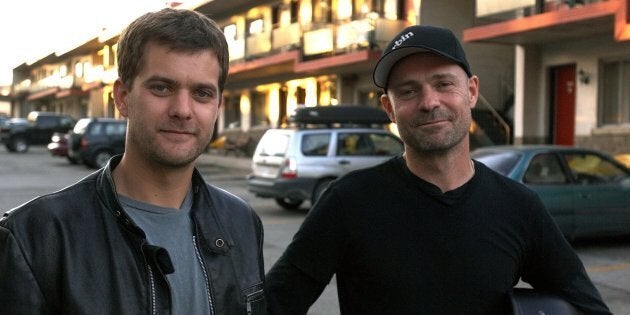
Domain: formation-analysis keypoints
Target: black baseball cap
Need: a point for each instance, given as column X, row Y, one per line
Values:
column 415, row 39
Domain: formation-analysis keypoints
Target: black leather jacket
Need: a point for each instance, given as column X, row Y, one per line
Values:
column 77, row 252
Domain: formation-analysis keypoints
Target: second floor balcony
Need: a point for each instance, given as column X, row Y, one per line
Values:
column 548, row 21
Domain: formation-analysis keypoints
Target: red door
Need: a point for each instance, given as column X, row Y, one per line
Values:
column 563, row 106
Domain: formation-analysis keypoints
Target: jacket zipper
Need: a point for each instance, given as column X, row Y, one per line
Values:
column 205, row 274
column 152, row 286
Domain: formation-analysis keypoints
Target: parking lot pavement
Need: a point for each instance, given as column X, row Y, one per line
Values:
column 227, row 161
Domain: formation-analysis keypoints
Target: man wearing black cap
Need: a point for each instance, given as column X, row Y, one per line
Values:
column 431, row 231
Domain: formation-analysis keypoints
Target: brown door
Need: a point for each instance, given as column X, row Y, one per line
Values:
column 563, row 104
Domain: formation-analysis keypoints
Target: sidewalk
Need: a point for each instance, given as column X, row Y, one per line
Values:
column 227, row 161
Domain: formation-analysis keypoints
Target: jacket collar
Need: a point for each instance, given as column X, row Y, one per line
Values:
column 206, row 221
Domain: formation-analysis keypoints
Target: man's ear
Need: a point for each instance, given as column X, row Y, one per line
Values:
column 473, row 90
column 387, row 105
column 120, row 97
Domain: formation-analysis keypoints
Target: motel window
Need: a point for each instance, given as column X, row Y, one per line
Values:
column 276, row 14
column 295, row 10
column 230, row 32
column 255, row 26
column 258, row 116
column 322, row 11
column 614, row 105
column 389, row 9
column 231, row 112
column 285, row 14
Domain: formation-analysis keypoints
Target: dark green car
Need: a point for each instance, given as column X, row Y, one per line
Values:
column 586, row 191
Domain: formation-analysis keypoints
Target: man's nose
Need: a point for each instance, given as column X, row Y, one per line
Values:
column 181, row 106
column 428, row 99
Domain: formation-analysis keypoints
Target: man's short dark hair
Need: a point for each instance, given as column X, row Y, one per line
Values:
column 180, row 30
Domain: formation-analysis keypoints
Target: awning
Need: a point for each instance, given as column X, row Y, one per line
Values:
column 43, row 93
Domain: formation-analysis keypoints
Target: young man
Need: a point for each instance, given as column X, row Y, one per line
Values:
column 145, row 234
column 431, row 231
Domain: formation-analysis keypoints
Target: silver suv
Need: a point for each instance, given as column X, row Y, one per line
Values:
column 296, row 164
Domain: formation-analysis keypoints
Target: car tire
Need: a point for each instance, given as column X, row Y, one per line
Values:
column 19, row 144
column 72, row 160
column 288, row 203
column 101, row 158
column 319, row 189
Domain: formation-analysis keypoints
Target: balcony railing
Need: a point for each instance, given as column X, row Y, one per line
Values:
column 286, row 38
column 494, row 11
column 318, row 39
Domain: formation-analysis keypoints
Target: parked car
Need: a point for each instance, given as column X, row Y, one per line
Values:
column 296, row 164
column 623, row 158
column 586, row 191
column 14, row 121
column 18, row 136
column 93, row 141
column 58, row 145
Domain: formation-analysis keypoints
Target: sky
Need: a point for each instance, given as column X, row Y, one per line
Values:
column 33, row 29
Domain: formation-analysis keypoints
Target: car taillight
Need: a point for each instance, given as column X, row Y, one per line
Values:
column 289, row 168
column 84, row 143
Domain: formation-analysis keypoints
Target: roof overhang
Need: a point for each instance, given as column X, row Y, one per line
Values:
column 608, row 18
column 225, row 8
column 48, row 92
column 289, row 65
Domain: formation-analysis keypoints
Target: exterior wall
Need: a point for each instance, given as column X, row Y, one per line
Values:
column 535, row 60
column 535, row 112
column 492, row 63
column 586, row 54
column 613, row 141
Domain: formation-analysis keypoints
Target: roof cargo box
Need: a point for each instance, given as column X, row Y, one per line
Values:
column 340, row 114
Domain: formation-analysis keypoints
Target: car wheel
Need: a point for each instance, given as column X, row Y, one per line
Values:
column 101, row 158
column 72, row 160
column 288, row 203
column 319, row 189
column 19, row 144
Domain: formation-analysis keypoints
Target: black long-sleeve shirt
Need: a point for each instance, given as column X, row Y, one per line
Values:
column 398, row 245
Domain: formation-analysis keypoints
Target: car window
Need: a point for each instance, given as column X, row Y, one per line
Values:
column 67, row 122
column 545, row 169
column 274, row 144
column 47, row 121
column 385, row 144
column 367, row 144
column 115, row 129
column 315, row 144
column 354, row 144
column 96, row 129
column 500, row 162
column 592, row 169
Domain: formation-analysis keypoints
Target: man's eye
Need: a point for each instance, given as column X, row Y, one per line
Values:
column 444, row 84
column 406, row 94
column 160, row 89
column 205, row 95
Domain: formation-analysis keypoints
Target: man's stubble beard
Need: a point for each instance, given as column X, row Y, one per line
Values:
column 423, row 143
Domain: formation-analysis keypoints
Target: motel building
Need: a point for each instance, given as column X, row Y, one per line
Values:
column 550, row 71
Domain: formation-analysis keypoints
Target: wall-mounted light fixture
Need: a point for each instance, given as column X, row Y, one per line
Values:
column 584, row 76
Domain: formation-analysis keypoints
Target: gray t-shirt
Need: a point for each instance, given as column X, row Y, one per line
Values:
column 172, row 229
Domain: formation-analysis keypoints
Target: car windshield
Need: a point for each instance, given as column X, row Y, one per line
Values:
column 80, row 126
column 274, row 144
column 501, row 162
